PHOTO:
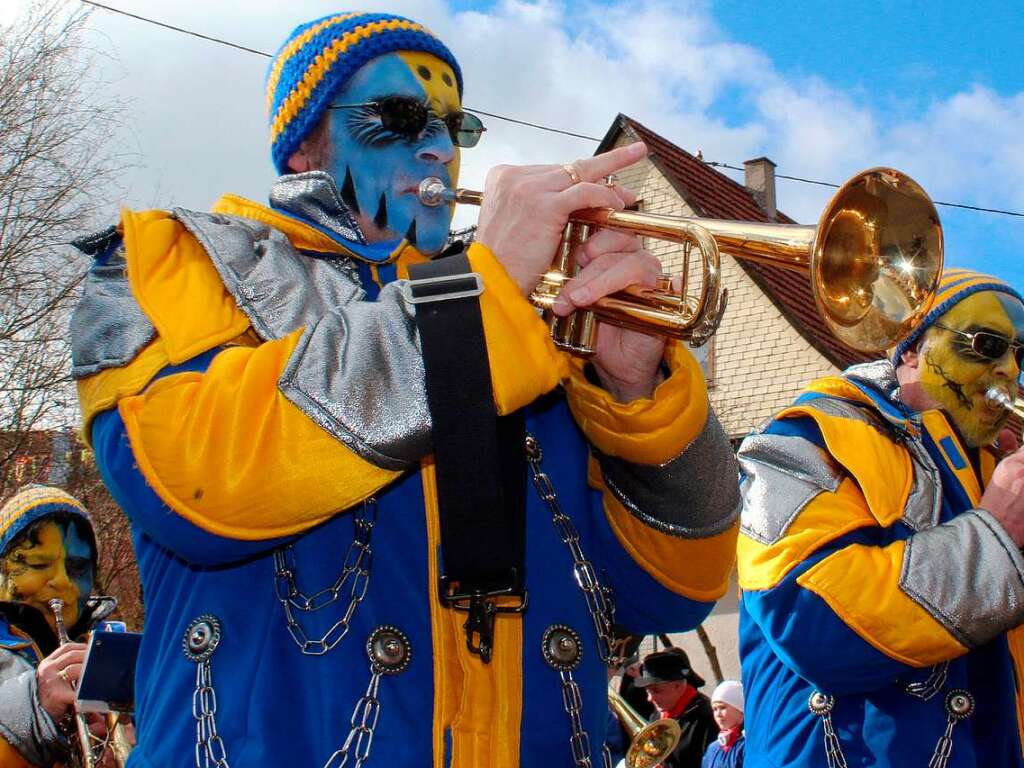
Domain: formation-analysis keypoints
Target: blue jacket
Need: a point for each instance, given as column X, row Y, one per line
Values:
column 225, row 455
column 874, row 590
column 716, row 757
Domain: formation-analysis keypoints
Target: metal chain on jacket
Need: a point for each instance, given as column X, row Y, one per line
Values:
column 959, row 706
column 200, row 641
column 355, row 567
column 599, row 598
column 563, row 651
column 210, row 750
column 390, row 653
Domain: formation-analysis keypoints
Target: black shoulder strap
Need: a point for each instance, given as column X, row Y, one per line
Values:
column 479, row 458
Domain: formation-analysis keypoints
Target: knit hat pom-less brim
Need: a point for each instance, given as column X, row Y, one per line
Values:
column 319, row 57
column 955, row 285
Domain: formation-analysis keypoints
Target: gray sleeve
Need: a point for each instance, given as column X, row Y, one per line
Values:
column 24, row 724
column 358, row 373
column 781, row 474
column 694, row 495
column 969, row 575
column 108, row 328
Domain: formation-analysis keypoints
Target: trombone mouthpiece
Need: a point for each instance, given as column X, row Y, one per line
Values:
column 433, row 192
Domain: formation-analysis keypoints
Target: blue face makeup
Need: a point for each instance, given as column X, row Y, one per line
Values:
column 78, row 561
column 379, row 172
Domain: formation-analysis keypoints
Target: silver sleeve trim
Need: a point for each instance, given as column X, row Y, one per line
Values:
column 358, row 373
column 23, row 722
column 693, row 496
column 782, row 474
column 108, row 328
column 969, row 575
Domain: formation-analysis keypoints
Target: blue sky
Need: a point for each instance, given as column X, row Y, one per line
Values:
column 825, row 89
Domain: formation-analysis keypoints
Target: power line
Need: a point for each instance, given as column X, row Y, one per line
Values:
column 836, row 186
column 176, row 29
column 538, row 126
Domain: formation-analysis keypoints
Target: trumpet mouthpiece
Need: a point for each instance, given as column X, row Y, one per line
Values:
column 433, row 192
column 996, row 396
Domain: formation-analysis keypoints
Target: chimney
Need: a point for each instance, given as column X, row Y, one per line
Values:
column 759, row 178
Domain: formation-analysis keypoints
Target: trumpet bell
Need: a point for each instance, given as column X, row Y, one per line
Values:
column 876, row 259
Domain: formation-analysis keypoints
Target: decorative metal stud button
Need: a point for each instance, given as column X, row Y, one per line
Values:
column 959, row 704
column 533, row 451
column 562, row 647
column 389, row 650
column 201, row 638
column 820, row 703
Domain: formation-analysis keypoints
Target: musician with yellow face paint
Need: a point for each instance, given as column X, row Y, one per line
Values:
column 47, row 552
column 880, row 552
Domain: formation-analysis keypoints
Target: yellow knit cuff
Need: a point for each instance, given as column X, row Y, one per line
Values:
column 648, row 430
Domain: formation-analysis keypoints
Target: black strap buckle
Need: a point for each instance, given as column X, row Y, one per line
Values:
column 481, row 607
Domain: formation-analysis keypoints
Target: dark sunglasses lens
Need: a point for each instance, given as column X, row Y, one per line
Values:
column 402, row 115
column 465, row 129
column 989, row 345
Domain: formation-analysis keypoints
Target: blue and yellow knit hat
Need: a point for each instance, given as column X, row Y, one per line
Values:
column 34, row 502
column 955, row 285
column 319, row 57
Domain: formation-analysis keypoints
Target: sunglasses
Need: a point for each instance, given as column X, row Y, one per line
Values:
column 407, row 116
column 991, row 346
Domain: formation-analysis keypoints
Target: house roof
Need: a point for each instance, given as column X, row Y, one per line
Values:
column 712, row 194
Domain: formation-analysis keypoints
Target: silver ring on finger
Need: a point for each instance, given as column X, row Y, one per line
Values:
column 611, row 180
column 573, row 171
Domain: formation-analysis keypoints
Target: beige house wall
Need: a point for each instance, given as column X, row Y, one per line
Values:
column 758, row 361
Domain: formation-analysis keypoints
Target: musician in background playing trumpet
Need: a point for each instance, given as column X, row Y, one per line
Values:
column 880, row 557
column 47, row 551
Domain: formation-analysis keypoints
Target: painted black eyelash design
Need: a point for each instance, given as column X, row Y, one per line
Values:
column 364, row 123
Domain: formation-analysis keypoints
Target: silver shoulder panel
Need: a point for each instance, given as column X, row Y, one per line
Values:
column 278, row 288
column 357, row 370
column 781, row 475
column 23, row 722
column 969, row 575
column 108, row 328
column 694, row 495
column 358, row 373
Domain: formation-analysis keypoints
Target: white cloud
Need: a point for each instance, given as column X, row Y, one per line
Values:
column 197, row 108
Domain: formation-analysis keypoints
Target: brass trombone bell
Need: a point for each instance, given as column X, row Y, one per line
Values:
column 874, row 261
column 649, row 743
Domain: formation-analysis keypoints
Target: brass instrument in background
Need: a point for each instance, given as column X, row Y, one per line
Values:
column 874, row 261
column 88, row 750
column 996, row 396
column 649, row 743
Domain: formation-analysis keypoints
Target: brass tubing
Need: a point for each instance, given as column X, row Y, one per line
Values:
column 873, row 260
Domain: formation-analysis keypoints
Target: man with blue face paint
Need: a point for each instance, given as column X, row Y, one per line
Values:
column 255, row 385
column 880, row 553
column 47, row 551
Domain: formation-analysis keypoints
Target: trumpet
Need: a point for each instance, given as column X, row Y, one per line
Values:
column 1014, row 405
column 649, row 743
column 874, row 261
column 89, row 750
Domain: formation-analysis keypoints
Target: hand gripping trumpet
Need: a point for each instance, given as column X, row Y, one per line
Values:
column 89, row 750
column 874, row 260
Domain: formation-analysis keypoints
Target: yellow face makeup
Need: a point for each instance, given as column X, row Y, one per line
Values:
column 438, row 81
column 957, row 377
column 54, row 562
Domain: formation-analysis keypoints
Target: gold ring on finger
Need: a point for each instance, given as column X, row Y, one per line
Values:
column 573, row 171
column 63, row 675
column 611, row 180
